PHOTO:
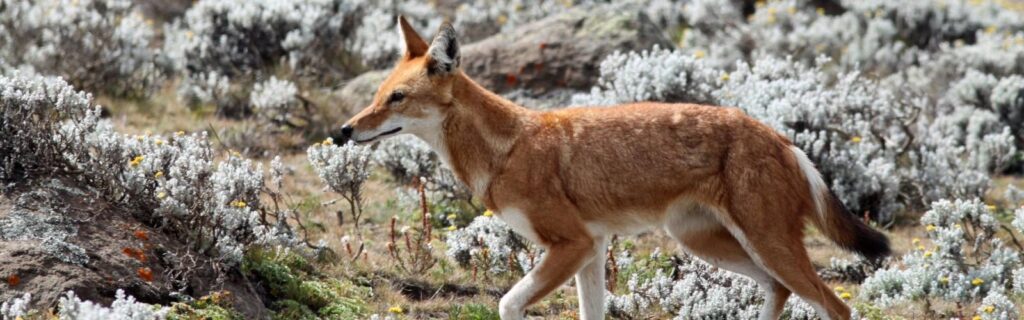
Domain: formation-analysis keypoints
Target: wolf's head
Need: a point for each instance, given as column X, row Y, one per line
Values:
column 417, row 95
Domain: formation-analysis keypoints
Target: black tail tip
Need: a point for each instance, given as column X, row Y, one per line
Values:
column 872, row 244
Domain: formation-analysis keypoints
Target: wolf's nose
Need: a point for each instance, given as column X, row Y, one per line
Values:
column 341, row 136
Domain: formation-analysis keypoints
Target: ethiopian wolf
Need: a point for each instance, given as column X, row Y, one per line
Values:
column 730, row 189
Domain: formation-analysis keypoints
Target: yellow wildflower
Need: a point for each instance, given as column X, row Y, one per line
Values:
column 920, row 248
column 855, row 139
column 452, row 228
column 238, row 204
column 840, row 289
column 977, row 282
column 396, row 309
column 930, row 228
column 916, row 241
column 158, row 142
column 158, row 174
column 845, row 296
column 991, row 29
column 725, row 77
column 821, row 11
column 136, row 161
column 698, row 54
column 452, row 216
column 328, row 141
column 991, row 207
column 976, row 318
column 161, row 195
column 502, row 19
column 179, row 133
column 928, row 254
column 989, row 309
column 488, row 213
column 944, row 280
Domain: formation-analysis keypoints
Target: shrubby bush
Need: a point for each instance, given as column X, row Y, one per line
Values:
column 965, row 262
column 70, row 306
column 124, row 307
column 16, row 307
column 487, row 244
column 214, row 207
column 410, row 161
column 689, row 288
column 98, row 45
column 344, row 169
column 872, row 36
column 222, row 48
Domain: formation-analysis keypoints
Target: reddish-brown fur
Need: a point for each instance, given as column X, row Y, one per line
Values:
column 728, row 187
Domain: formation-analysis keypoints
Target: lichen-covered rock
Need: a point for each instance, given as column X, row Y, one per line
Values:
column 56, row 237
column 561, row 51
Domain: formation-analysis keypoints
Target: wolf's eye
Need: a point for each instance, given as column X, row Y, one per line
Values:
column 395, row 97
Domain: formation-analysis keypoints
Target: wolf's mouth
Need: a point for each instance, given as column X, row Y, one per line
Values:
column 383, row 134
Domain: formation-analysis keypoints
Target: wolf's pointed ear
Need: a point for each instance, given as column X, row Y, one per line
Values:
column 444, row 53
column 414, row 45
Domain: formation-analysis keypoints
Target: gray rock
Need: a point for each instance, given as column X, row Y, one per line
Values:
column 358, row 92
column 563, row 51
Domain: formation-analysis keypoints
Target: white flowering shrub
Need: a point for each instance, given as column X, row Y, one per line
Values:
column 410, row 161
column 99, row 45
column 124, row 307
column 656, row 75
column 344, row 169
column 275, row 100
column 487, row 244
column 689, row 288
column 16, row 307
column 32, row 109
column 223, row 48
column 963, row 263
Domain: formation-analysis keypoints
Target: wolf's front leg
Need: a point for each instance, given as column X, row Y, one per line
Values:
column 561, row 261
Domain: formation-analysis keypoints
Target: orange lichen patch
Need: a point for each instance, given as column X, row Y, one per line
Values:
column 146, row 274
column 141, row 235
column 510, row 79
column 136, row 254
column 543, row 45
column 13, row 280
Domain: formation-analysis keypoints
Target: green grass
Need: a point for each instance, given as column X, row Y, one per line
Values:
column 472, row 312
column 214, row 306
column 300, row 291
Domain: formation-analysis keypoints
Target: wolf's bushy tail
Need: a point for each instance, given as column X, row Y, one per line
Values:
column 835, row 220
